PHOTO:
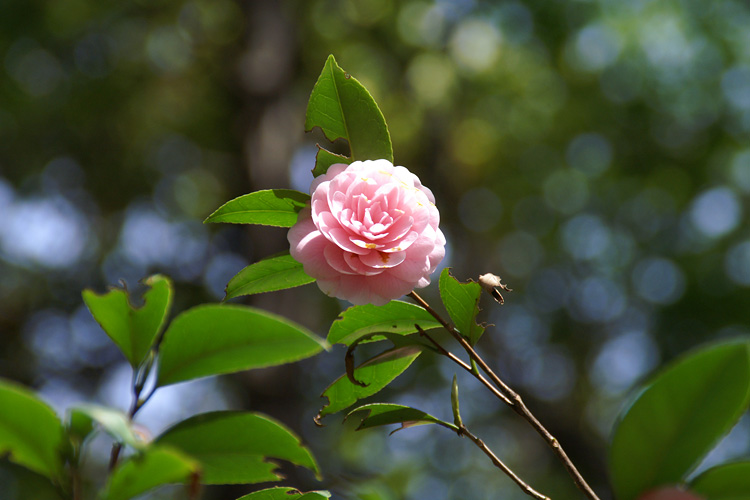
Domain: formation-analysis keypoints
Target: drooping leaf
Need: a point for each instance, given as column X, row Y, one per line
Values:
column 268, row 275
column 214, row 339
column 374, row 374
column 395, row 317
column 234, row 447
column 154, row 466
column 270, row 207
column 724, row 482
column 114, row 422
column 31, row 435
column 378, row 414
column 286, row 493
column 134, row 330
column 324, row 159
column 461, row 300
column 679, row 417
column 344, row 109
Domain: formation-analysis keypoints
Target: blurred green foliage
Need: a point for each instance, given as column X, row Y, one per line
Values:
column 594, row 154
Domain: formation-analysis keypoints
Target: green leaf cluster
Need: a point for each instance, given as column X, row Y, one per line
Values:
column 678, row 418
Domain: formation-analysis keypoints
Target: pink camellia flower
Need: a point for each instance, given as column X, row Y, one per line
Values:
column 370, row 233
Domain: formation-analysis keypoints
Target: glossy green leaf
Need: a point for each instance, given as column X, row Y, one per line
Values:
column 271, row 207
column 395, row 317
column 30, row 433
column 114, row 422
column 285, row 493
column 375, row 374
column 679, row 417
column 234, row 447
column 134, row 330
column 378, row 414
column 214, row 339
column 344, row 109
column 324, row 159
column 724, row 482
column 155, row 466
column 461, row 300
column 268, row 275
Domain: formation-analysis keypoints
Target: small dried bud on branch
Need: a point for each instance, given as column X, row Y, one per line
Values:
column 490, row 283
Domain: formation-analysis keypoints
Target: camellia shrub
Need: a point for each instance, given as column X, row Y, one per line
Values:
column 367, row 233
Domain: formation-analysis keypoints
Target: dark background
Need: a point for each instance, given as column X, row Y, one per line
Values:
column 595, row 154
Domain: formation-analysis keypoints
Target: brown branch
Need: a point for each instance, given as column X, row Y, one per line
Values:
column 463, row 431
column 514, row 400
column 442, row 350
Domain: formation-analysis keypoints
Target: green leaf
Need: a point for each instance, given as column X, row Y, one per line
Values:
column 724, row 482
column 679, row 417
column 378, row 414
column 375, row 374
column 114, row 422
column 268, row 275
column 30, row 433
column 155, row 466
column 214, row 339
column 395, row 317
column 285, row 493
column 324, row 159
column 461, row 300
column 271, row 207
column 134, row 330
column 21, row 483
column 233, row 447
column 343, row 109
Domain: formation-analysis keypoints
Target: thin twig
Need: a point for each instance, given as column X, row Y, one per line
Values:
column 442, row 350
column 463, row 431
column 514, row 400
column 135, row 405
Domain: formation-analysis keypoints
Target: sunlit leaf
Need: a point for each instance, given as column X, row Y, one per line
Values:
column 395, row 317
column 285, row 493
column 134, row 330
column 271, row 207
column 378, row 414
column 234, row 447
column 155, row 466
column 324, row 159
column 374, row 374
column 461, row 300
column 680, row 415
column 114, row 422
column 344, row 109
column 30, row 433
column 268, row 275
column 724, row 482
column 214, row 339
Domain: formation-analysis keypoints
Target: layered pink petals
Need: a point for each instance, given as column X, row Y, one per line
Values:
column 370, row 234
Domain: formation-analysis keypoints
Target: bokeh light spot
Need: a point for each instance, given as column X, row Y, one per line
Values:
column 566, row 190
column 623, row 360
column 715, row 212
column 475, row 45
column 590, row 153
column 658, row 280
column 737, row 263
